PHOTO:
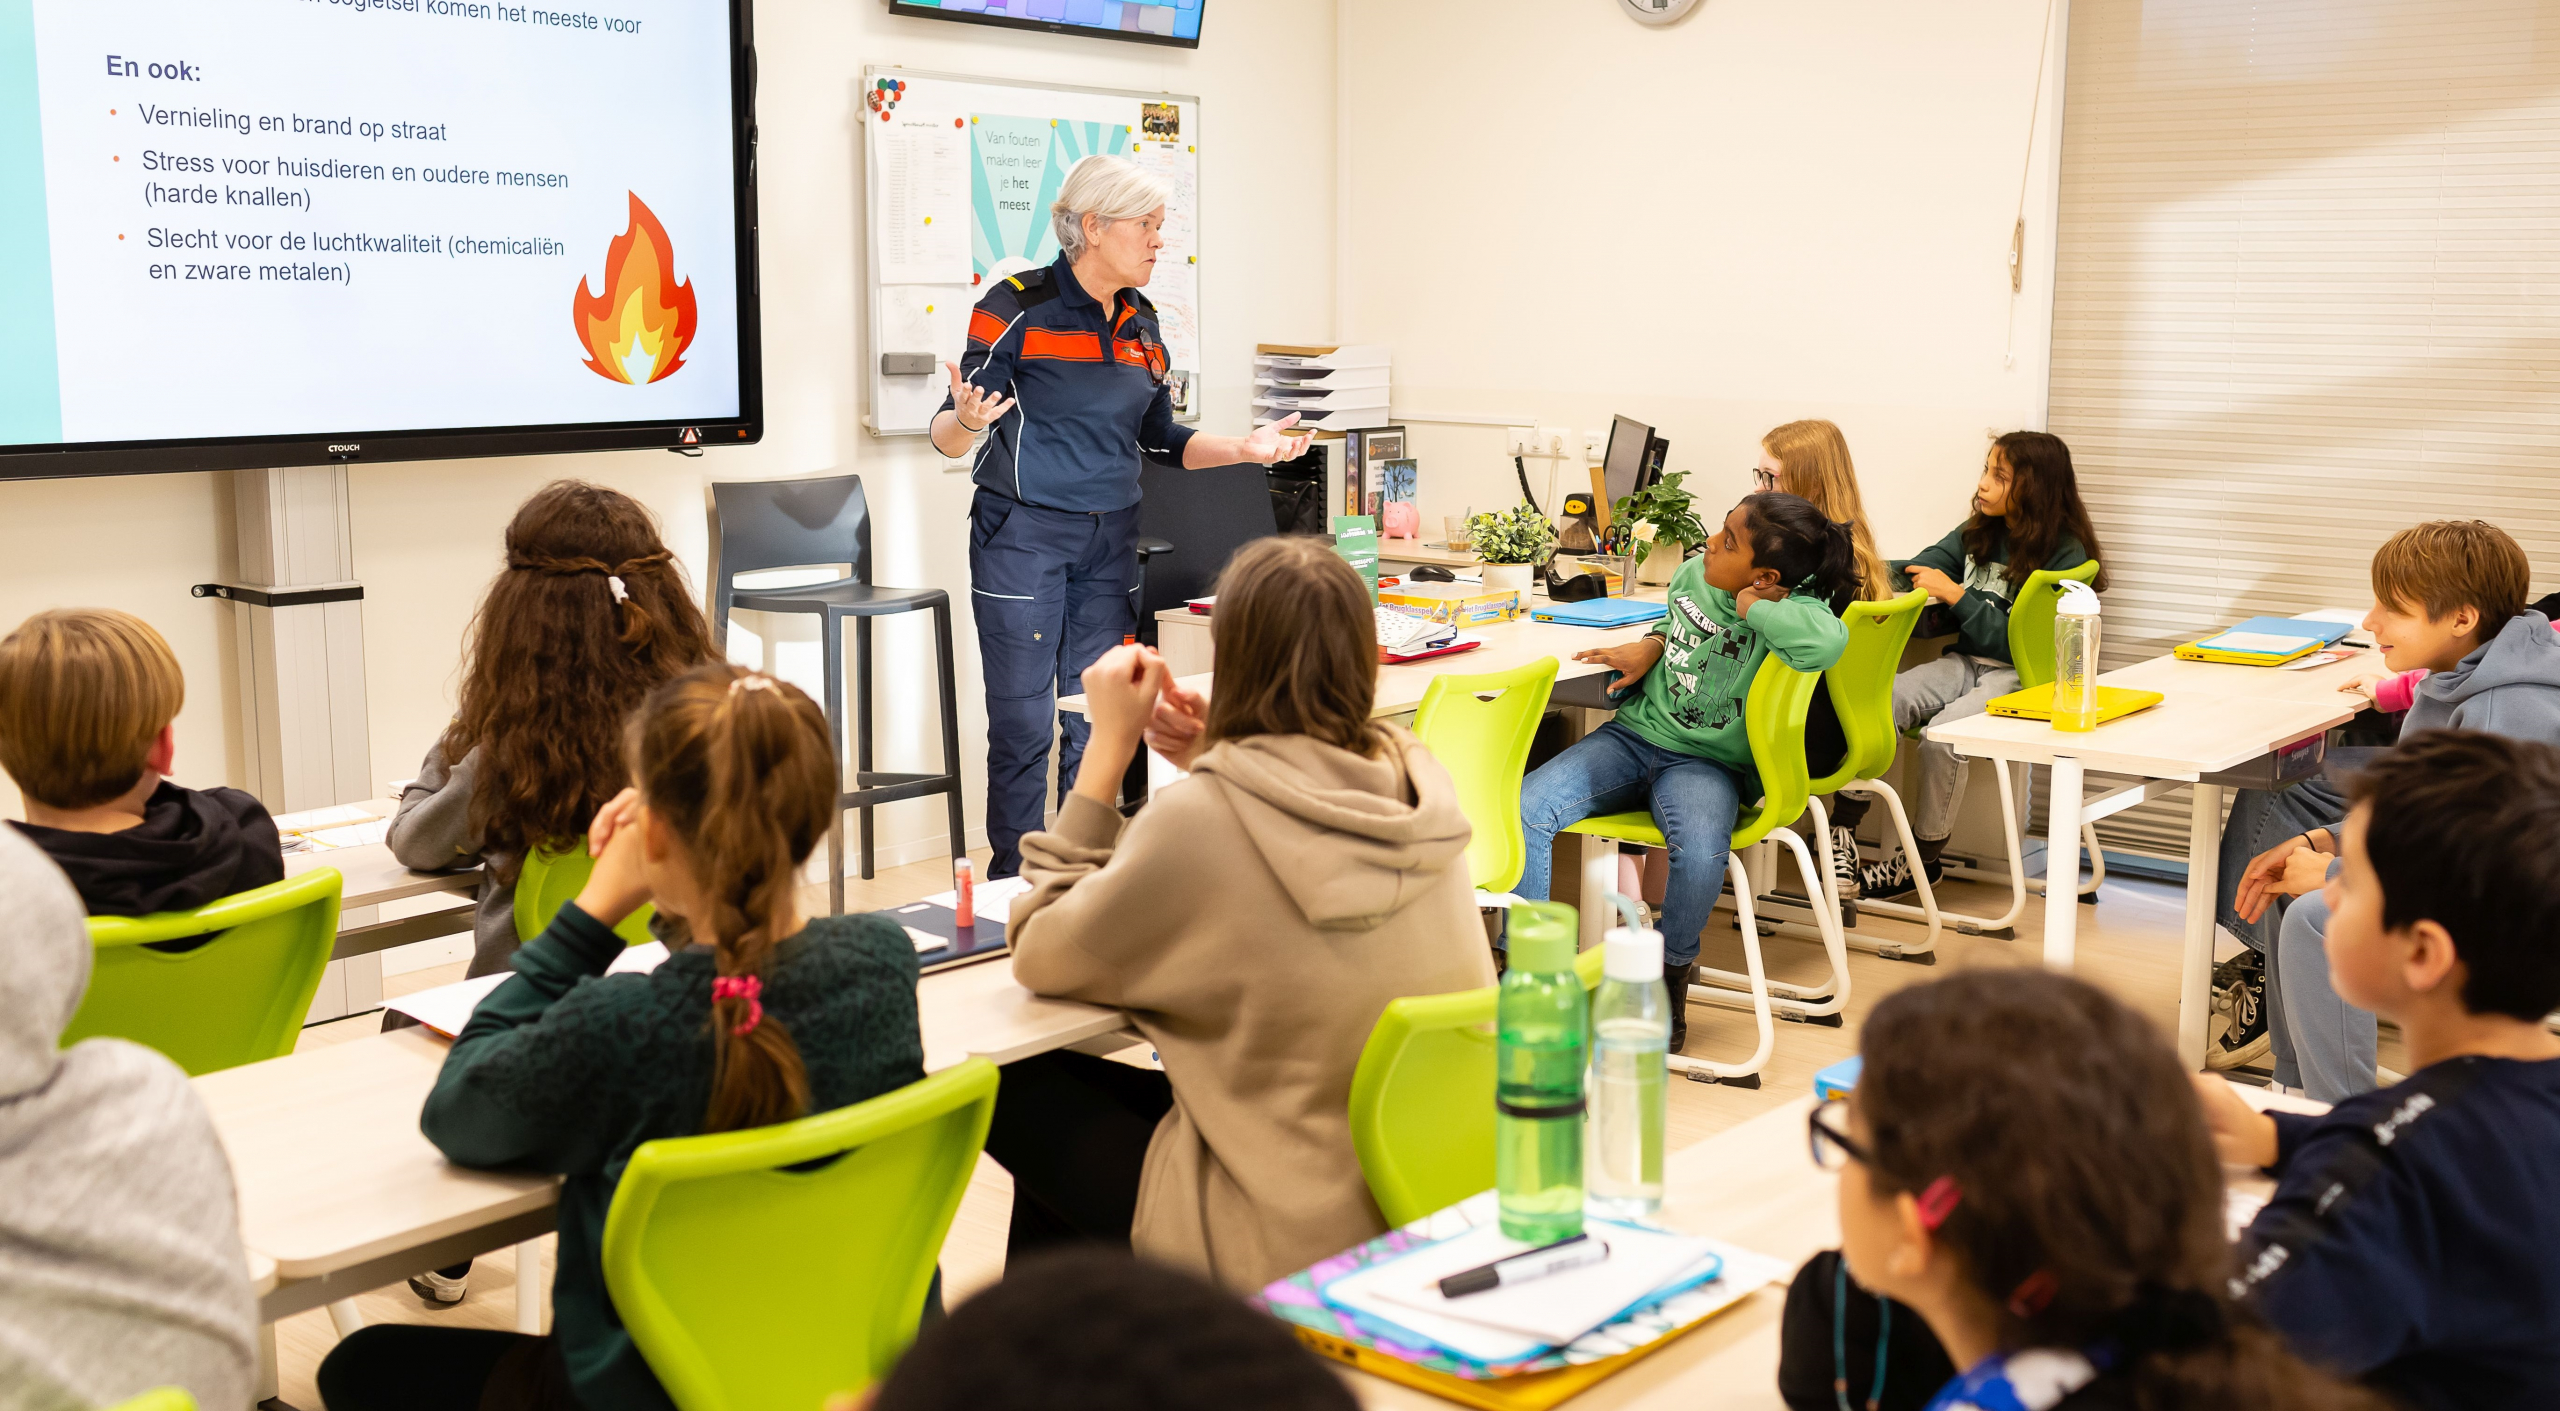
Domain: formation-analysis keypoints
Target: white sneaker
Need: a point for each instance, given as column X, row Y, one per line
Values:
column 435, row 1288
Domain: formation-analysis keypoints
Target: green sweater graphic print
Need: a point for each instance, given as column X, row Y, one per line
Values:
column 1691, row 702
column 1982, row 614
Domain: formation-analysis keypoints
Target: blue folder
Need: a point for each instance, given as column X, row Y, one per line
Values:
column 1600, row 612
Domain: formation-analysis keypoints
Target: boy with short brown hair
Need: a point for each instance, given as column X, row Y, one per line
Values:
column 2449, row 597
column 88, row 697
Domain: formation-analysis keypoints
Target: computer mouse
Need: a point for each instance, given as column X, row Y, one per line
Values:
column 1432, row 573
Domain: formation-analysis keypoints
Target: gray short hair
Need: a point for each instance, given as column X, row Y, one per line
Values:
column 1110, row 187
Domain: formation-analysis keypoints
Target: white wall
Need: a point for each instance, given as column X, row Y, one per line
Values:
column 427, row 534
column 1773, row 209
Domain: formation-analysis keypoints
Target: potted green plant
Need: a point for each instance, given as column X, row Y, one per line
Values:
column 1662, row 519
column 1512, row 543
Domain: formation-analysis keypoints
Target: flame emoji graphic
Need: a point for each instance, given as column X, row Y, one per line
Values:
column 642, row 309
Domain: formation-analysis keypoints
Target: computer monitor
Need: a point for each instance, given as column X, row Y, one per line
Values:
column 1623, row 467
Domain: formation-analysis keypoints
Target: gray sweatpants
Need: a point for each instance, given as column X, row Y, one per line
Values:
column 1950, row 688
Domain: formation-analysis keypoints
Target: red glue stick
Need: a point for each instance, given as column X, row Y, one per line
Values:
column 964, row 898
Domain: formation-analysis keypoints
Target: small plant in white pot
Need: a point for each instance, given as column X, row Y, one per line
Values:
column 1512, row 543
column 1663, row 521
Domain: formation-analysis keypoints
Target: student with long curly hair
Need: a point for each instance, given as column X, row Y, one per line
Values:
column 590, row 613
column 2024, row 1165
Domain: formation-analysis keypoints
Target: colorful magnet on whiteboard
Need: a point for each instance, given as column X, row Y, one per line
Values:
column 928, row 308
column 928, row 220
column 955, row 122
column 973, row 279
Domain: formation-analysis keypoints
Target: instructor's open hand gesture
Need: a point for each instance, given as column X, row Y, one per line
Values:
column 976, row 408
column 1273, row 443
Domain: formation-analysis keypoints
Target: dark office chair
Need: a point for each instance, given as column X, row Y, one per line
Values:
column 762, row 524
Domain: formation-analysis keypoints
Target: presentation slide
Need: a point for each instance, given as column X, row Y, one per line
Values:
column 307, row 217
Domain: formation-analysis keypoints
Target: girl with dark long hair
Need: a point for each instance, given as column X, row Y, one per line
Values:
column 2027, row 515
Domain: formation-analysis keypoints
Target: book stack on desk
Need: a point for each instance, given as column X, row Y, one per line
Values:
column 2266, row 641
column 1377, row 1308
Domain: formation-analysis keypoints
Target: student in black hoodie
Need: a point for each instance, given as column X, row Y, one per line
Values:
column 87, row 701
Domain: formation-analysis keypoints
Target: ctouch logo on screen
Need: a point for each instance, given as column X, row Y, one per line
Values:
column 637, row 329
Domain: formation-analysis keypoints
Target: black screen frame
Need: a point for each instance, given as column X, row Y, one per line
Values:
column 366, row 446
column 1125, row 36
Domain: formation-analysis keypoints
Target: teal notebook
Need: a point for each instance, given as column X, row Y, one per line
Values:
column 1600, row 612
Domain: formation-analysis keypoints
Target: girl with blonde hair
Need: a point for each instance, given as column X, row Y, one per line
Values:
column 1810, row 459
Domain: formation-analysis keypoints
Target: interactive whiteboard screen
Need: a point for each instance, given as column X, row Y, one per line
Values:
column 1174, row 22
column 272, row 232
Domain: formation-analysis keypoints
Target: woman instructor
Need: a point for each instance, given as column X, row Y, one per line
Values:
column 1064, row 378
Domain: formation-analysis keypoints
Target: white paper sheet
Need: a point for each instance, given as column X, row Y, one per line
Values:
column 988, row 898
column 924, row 199
column 446, row 1008
column 1549, row 1311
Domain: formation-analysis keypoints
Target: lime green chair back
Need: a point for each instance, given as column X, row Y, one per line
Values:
column 1422, row 1099
column 2031, row 622
column 783, row 1265
column 158, row 1399
column 1484, row 744
column 238, row 997
column 1861, row 685
column 1773, row 716
column 551, row 879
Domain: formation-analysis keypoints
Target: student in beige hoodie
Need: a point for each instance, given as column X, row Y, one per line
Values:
column 1254, row 920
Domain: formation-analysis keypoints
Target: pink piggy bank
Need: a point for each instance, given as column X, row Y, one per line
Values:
column 1403, row 520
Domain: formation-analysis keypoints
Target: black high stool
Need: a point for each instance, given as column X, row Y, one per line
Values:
column 764, row 524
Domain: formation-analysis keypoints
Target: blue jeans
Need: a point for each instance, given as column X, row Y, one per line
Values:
column 1615, row 770
column 2321, row 1044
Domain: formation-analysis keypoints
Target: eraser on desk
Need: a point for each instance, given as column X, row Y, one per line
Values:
column 1838, row 1080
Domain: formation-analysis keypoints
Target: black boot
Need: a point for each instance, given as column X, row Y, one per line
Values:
column 1675, row 978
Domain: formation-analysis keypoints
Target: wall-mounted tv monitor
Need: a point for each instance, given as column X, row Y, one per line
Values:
column 1143, row 21
column 285, row 232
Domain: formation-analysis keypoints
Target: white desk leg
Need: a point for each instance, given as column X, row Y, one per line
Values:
column 2195, row 960
column 533, row 1286
column 269, row 1385
column 2062, row 867
column 344, row 1316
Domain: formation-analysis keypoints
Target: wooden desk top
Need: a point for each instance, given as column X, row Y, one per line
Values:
column 1754, row 1185
column 374, row 876
column 2314, row 684
column 2184, row 736
column 1506, row 645
column 332, row 1170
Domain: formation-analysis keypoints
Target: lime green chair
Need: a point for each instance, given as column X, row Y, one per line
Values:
column 158, row 1399
column 1422, row 1099
column 550, row 879
column 1773, row 717
column 783, row 1265
column 1861, row 689
column 238, row 995
column 1479, row 728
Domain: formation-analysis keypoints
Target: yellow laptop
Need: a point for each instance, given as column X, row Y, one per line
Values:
column 2036, row 702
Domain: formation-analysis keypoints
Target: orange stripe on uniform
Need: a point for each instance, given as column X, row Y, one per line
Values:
column 984, row 327
column 1068, row 347
column 1130, row 352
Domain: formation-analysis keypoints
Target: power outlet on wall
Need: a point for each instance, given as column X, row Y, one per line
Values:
column 1516, row 441
column 1552, row 441
column 1594, row 446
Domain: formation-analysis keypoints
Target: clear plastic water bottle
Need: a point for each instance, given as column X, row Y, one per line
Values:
column 1542, row 1027
column 2075, row 658
column 1631, row 1029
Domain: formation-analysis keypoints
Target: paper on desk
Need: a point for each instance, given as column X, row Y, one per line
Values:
column 989, row 899
column 2322, row 657
column 352, row 835
column 1516, row 1323
column 446, row 1008
column 639, row 959
column 331, row 817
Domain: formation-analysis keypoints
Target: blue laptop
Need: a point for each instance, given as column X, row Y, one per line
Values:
column 1600, row 612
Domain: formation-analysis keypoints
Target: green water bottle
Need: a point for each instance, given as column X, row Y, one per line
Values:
column 1543, row 1024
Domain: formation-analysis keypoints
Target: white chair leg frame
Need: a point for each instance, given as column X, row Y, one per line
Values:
column 1891, row 950
column 1745, row 1074
column 2019, row 883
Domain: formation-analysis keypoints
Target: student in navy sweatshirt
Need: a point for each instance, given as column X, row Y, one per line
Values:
column 2414, row 1236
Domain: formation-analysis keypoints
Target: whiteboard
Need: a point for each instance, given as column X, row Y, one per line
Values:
column 959, row 174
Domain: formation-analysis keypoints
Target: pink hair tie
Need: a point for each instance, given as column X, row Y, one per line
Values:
column 745, row 987
column 1938, row 1201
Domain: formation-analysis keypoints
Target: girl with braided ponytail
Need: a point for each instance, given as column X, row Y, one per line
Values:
column 763, row 1015
column 590, row 612
column 2024, row 1167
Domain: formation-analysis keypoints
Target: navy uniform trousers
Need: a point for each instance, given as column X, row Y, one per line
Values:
column 1052, row 591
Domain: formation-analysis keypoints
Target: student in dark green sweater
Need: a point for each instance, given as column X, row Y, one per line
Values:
column 1773, row 579
column 766, row 1016
column 2027, row 516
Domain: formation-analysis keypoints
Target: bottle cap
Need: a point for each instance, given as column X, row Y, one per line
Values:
column 2077, row 599
column 1541, row 937
column 1632, row 955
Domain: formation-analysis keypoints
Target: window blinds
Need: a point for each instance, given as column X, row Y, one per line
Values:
column 2307, row 293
